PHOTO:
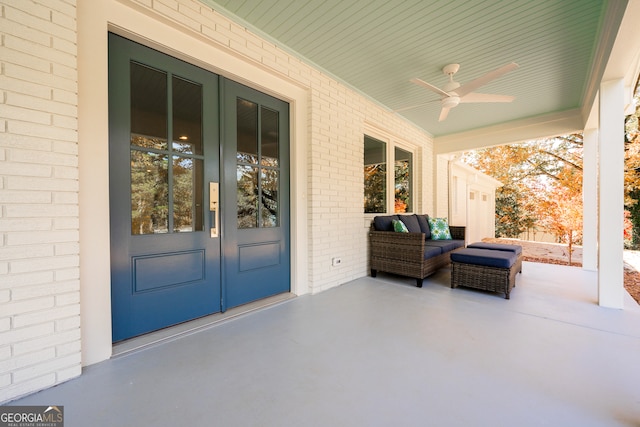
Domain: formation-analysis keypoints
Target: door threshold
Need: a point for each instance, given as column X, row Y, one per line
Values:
column 171, row 333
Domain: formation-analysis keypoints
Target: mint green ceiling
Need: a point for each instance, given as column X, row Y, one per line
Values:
column 376, row 46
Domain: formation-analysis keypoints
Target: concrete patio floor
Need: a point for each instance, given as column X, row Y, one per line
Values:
column 381, row 352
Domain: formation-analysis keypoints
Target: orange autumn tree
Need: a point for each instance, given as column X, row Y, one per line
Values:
column 542, row 185
column 561, row 214
column 632, row 175
column 560, row 208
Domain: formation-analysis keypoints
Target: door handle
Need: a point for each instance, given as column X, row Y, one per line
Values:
column 213, row 207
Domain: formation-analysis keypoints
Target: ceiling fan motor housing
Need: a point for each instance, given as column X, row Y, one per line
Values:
column 451, row 101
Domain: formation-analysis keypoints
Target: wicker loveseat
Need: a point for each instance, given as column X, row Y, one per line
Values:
column 413, row 254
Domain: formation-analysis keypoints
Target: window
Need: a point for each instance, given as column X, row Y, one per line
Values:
column 258, row 165
column 166, row 173
column 403, row 177
column 385, row 192
column 375, row 175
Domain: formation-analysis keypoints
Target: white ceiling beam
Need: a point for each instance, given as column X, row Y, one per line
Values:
column 507, row 133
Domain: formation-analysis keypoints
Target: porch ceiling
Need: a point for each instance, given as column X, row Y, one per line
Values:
column 376, row 46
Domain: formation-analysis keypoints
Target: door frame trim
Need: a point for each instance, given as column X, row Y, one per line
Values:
column 130, row 21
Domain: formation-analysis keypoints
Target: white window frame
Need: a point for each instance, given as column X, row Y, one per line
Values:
column 391, row 142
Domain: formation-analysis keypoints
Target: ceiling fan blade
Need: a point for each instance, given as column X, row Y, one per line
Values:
column 483, row 80
column 415, row 106
column 486, row 97
column 443, row 114
column 429, row 86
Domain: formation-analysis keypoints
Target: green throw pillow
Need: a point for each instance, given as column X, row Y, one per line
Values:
column 439, row 229
column 399, row 226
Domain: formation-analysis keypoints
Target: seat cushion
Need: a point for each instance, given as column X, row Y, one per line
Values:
column 411, row 221
column 384, row 222
column 431, row 251
column 445, row 245
column 485, row 257
column 517, row 249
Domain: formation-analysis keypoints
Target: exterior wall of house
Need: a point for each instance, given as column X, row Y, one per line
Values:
column 39, row 220
column 53, row 182
column 472, row 196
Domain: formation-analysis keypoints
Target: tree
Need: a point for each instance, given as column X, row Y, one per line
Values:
column 632, row 171
column 561, row 214
column 511, row 215
column 538, row 177
column 375, row 177
column 402, row 182
column 149, row 193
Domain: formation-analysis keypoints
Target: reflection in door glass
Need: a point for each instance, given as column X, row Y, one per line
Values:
column 269, row 137
column 247, row 131
column 165, row 199
column 269, row 205
column 148, row 107
column 258, row 165
column 149, row 193
column 187, row 116
column 247, row 177
column 187, row 194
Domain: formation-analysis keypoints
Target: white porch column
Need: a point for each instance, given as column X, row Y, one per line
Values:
column 590, row 200
column 441, row 183
column 611, row 195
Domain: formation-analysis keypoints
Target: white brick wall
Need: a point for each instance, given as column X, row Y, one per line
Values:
column 39, row 244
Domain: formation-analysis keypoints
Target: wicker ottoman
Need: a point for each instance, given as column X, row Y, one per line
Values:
column 517, row 249
column 485, row 269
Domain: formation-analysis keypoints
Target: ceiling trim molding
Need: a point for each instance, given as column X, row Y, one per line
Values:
column 516, row 131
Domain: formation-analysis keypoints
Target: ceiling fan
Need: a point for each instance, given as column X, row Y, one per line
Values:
column 452, row 93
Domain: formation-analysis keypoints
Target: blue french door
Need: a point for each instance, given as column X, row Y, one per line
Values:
column 255, row 129
column 197, row 224
column 164, row 150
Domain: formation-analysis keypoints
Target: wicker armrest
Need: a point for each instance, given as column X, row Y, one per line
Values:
column 397, row 246
column 457, row 232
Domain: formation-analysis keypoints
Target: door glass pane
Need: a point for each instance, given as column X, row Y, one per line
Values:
column 187, row 116
column 187, row 194
column 269, row 201
column 269, row 137
column 257, row 158
column 148, row 107
column 375, row 175
column 402, row 188
column 247, row 177
column 149, row 193
column 247, row 131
